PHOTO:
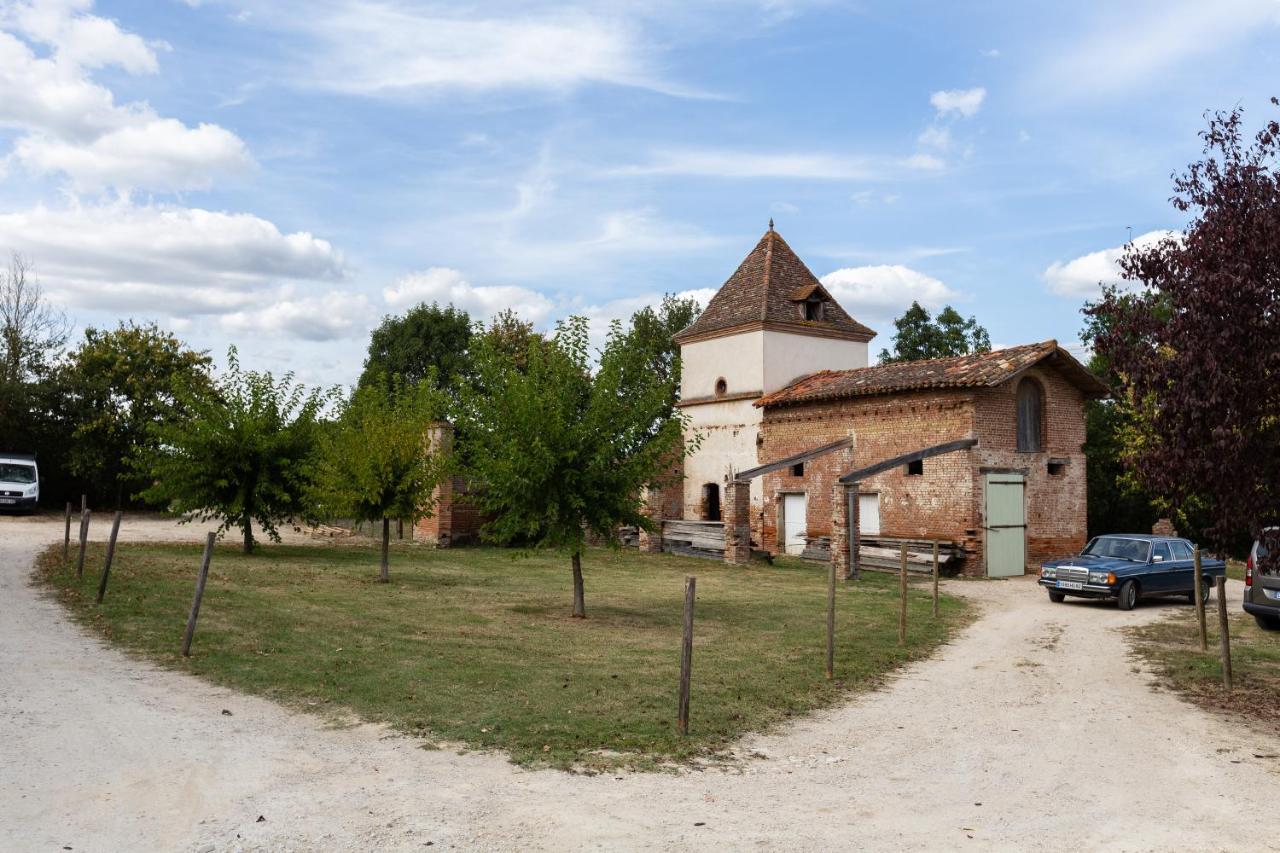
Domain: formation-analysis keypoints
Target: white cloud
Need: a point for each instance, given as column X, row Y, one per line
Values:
column 728, row 163
column 161, row 261
column 937, row 137
column 73, row 125
column 1133, row 44
column 962, row 102
column 449, row 287
column 388, row 47
column 991, row 53
column 881, row 292
column 1082, row 276
column 925, row 162
column 326, row 317
column 161, row 154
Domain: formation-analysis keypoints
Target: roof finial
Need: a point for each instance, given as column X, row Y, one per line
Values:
column 770, row 223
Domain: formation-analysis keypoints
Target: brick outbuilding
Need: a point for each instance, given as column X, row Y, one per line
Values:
column 775, row 368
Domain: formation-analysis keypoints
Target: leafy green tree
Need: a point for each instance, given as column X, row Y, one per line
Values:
column 425, row 341
column 375, row 464
column 243, row 454
column 117, row 385
column 561, row 454
column 920, row 336
column 510, row 335
column 652, row 331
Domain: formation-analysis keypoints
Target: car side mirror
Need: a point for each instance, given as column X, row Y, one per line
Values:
column 1157, row 559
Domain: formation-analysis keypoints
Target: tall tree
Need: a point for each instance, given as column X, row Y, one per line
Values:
column 1198, row 347
column 32, row 335
column 242, row 455
column 426, row 341
column 561, row 454
column 375, row 464
column 920, row 336
column 652, row 331
column 117, row 384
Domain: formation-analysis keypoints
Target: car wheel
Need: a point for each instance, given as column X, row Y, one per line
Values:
column 1206, row 587
column 1128, row 596
column 1057, row 597
column 1268, row 623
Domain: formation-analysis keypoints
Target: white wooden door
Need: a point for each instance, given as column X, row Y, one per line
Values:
column 869, row 515
column 795, row 523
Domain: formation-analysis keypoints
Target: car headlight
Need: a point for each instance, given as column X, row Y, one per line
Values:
column 32, row 489
column 1098, row 577
column 1048, row 572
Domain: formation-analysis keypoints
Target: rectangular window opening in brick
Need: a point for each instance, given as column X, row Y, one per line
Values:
column 1057, row 467
column 797, row 470
column 916, row 468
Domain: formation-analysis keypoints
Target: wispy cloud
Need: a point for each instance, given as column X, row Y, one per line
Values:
column 729, row 163
column 961, row 102
column 1083, row 276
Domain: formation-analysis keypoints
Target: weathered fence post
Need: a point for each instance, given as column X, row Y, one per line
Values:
column 84, row 537
column 1224, row 628
column 686, row 656
column 831, row 621
column 66, row 537
column 195, row 602
column 935, row 579
column 1199, row 599
column 111, row 552
column 902, row 602
column 84, row 503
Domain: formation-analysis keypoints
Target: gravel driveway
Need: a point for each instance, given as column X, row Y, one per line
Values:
column 1032, row 731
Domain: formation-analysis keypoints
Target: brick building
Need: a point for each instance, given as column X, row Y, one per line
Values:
column 775, row 367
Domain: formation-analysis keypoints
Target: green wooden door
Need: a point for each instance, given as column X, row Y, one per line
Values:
column 1006, row 525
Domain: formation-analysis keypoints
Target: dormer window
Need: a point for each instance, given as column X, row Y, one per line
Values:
column 813, row 310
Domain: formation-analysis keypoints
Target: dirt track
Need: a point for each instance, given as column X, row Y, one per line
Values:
column 1032, row 731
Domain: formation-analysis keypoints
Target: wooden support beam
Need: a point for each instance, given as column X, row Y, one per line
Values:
column 794, row 460
column 906, row 458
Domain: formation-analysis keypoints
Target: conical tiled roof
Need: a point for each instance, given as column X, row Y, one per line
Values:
column 769, row 289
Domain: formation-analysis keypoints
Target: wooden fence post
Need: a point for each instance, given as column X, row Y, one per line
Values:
column 111, row 552
column 66, row 537
column 902, row 596
column 84, row 537
column 1224, row 628
column 831, row 621
column 686, row 656
column 935, row 579
column 84, row 503
column 195, row 602
column 1199, row 599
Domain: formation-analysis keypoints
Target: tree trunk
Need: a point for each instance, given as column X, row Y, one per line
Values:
column 579, row 602
column 385, row 575
column 248, row 537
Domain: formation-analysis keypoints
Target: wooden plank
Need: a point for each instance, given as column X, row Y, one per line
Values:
column 686, row 656
column 906, row 458
column 814, row 453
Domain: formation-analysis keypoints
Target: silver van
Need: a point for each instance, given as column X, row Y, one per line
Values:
column 1262, row 588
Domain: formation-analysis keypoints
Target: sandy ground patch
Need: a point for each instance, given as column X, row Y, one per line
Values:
column 1034, row 730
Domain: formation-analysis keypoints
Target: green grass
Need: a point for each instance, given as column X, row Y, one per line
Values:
column 1172, row 647
column 472, row 646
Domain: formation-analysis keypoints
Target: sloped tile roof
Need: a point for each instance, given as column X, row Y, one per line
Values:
column 765, row 289
column 980, row 370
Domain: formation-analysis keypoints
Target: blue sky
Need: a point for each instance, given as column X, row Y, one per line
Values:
column 280, row 175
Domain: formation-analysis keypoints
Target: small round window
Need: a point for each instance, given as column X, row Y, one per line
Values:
column 722, row 387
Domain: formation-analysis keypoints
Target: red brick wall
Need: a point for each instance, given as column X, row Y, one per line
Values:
column 948, row 500
column 1056, row 505
column 936, row 504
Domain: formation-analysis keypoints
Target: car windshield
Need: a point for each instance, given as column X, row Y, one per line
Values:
column 1115, row 546
column 14, row 473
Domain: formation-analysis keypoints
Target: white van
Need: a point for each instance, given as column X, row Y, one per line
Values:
column 19, row 481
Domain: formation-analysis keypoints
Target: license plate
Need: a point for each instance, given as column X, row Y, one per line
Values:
column 1070, row 585
column 7, row 501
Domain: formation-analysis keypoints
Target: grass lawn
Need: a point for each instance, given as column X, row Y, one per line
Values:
column 1172, row 647
column 473, row 646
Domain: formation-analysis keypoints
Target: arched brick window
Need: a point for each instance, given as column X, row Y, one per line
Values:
column 1030, row 410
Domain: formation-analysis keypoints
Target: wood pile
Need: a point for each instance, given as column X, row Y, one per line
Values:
column 882, row 554
column 693, row 538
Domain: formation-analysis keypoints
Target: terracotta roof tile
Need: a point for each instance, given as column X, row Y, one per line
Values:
column 763, row 290
column 980, row 370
